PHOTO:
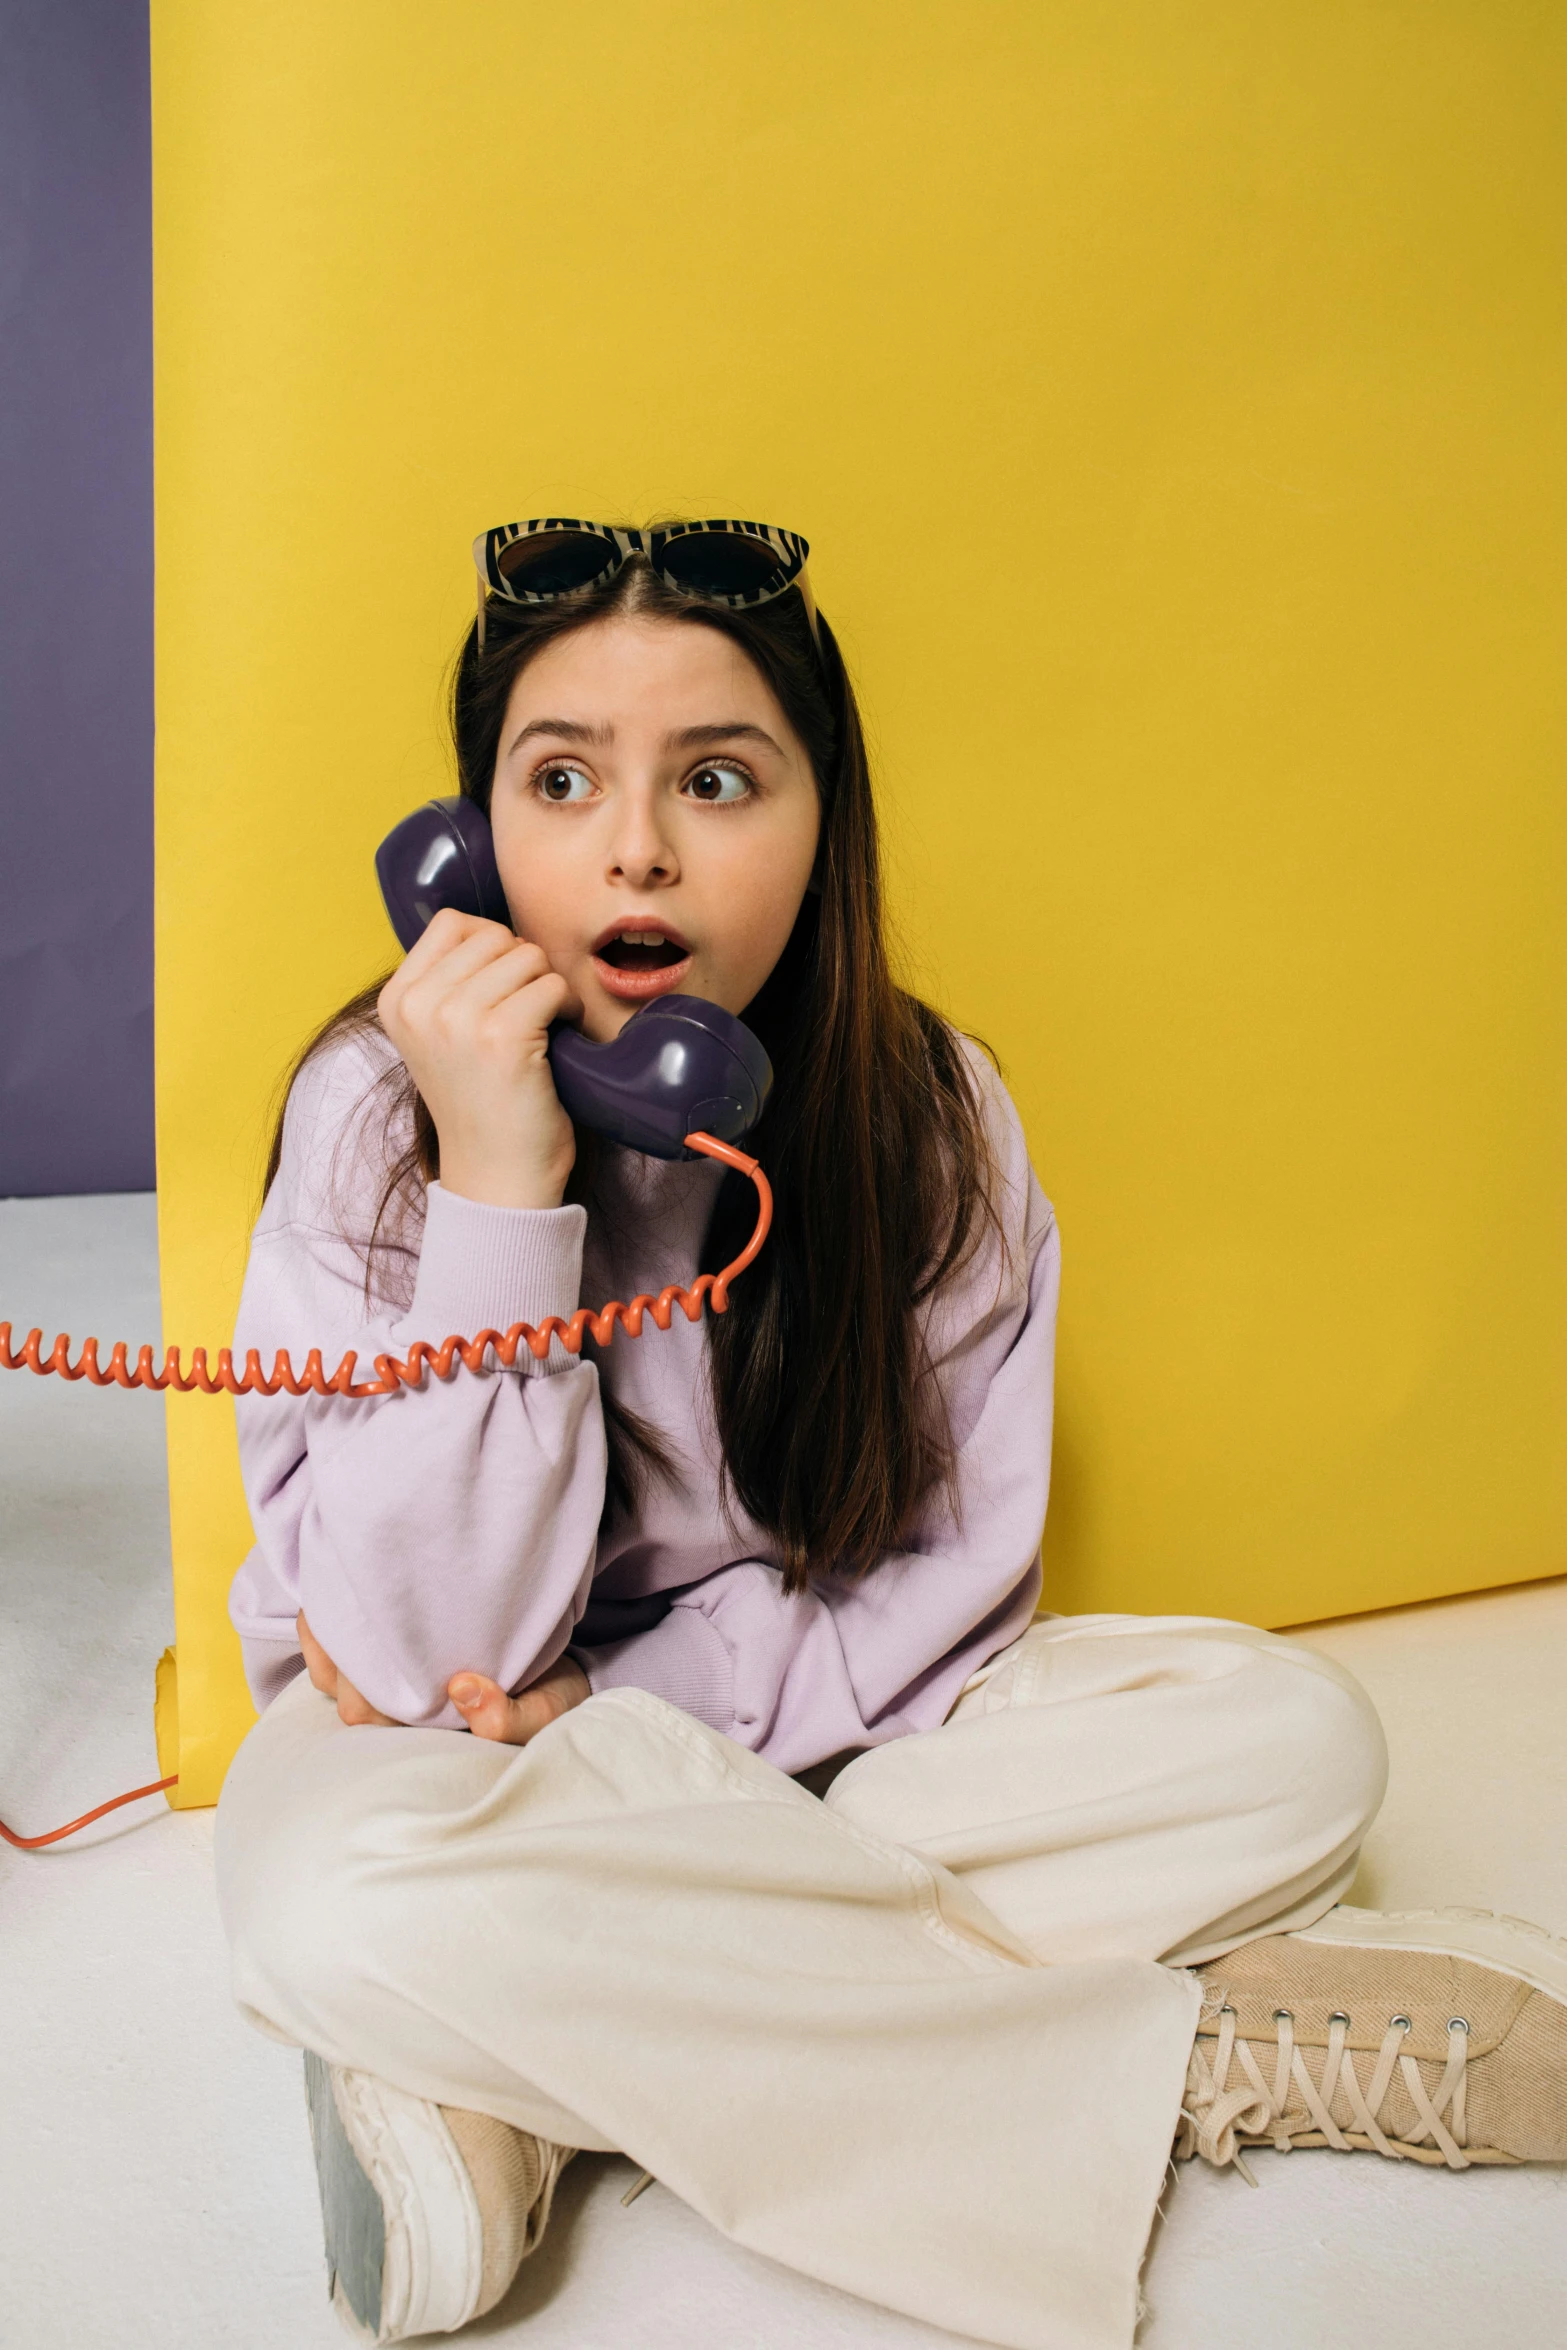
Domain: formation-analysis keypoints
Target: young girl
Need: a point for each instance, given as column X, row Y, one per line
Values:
column 658, row 1751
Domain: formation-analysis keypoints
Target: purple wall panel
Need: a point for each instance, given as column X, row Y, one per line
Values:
column 75, row 598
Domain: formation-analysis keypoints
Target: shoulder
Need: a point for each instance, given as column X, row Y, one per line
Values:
column 347, row 1123
column 1021, row 1208
column 332, row 1083
column 1006, row 1278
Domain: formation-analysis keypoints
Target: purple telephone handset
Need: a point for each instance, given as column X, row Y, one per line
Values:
column 680, row 1065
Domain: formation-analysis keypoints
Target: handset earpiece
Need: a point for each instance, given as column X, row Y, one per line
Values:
column 441, row 855
column 680, row 1065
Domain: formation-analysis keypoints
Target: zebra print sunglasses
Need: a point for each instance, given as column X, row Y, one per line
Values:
column 735, row 564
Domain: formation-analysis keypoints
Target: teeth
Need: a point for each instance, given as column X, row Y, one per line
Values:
column 644, row 938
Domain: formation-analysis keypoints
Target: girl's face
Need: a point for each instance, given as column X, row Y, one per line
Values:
column 655, row 816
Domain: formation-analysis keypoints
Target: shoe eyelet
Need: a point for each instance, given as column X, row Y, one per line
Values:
column 1282, row 2015
column 1226, row 2009
column 1399, row 2023
column 1338, row 2017
column 1458, row 2023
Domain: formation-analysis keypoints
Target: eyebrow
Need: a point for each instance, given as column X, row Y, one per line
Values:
column 696, row 738
column 568, row 730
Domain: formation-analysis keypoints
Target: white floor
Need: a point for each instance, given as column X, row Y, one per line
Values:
column 155, row 2179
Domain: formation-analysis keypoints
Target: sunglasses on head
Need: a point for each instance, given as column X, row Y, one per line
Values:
column 734, row 564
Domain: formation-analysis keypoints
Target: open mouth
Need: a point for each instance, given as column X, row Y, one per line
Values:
column 640, row 961
column 642, row 950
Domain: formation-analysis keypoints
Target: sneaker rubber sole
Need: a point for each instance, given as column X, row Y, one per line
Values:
column 1487, row 1936
column 404, row 2237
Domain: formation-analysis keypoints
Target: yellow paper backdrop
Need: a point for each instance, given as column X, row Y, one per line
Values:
column 1172, row 396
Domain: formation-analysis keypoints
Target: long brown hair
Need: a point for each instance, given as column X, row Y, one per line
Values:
column 832, row 1429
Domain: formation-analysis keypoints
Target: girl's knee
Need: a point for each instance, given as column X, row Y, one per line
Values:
column 1328, row 1750
column 295, row 1899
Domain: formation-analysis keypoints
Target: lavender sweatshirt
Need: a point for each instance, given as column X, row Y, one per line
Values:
column 458, row 1525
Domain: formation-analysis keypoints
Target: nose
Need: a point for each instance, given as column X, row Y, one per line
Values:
column 641, row 853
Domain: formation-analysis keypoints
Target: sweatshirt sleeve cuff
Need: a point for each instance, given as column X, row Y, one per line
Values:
column 683, row 1659
column 270, row 1665
column 484, row 1268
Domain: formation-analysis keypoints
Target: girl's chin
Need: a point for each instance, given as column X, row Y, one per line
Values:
column 631, row 988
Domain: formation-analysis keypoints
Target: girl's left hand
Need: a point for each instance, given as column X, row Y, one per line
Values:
column 512, row 1721
column 351, row 1707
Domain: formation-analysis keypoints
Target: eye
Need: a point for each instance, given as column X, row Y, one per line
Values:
column 562, row 786
column 718, row 786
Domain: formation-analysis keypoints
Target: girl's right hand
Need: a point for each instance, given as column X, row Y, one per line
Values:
column 470, row 1011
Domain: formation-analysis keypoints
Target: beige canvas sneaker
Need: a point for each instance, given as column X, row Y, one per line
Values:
column 1435, row 2036
column 428, row 2211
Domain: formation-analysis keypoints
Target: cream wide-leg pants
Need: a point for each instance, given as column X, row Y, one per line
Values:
column 925, row 2038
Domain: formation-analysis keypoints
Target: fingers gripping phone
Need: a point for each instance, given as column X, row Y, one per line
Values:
column 679, row 1066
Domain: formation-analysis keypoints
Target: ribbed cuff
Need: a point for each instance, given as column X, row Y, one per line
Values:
column 483, row 1268
column 683, row 1659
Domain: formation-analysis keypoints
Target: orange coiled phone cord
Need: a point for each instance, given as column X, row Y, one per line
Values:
column 393, row 1371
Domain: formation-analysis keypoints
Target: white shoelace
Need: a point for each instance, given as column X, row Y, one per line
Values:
column 1217, row 2111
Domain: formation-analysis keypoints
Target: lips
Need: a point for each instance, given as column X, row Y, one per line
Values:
column 637, row 959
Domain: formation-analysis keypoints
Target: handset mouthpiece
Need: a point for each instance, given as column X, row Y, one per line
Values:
column 680, row 1064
